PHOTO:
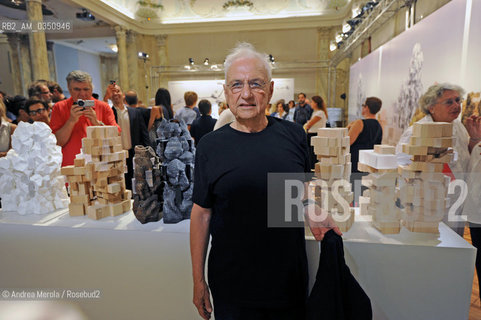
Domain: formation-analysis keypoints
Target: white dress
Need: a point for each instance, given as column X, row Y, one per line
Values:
column 319, row 124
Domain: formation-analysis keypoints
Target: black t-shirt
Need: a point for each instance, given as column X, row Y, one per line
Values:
column 249, row 263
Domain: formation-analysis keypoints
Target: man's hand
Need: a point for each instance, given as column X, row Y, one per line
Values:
column 202, row 299
column 89, row 112
column 108, row 92
column 319, row 221
column 75, row 113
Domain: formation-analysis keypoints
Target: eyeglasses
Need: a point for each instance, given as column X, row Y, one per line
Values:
column 254, row 85
column 34, row 112
column 449, row 102
column 47, row 92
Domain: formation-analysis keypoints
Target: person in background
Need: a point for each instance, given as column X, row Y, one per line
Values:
column 134, row 130
column 56, row 91
column 303, row 110
column 281, row 110
column 162, row 100
column 132, row 101
column 222, row 107
column 16, row 106
column 292, row 110
column 6, row 130
column 187, row 113
column 225, row 118
column 37, row 110
column 205, row 124
column 69, row 121
column 318, row 120
column 365, row 133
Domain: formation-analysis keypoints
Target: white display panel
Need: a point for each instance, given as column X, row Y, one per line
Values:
column 440, row 48
column 213, row 91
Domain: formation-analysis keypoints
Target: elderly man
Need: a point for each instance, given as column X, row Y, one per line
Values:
column 37, row 110
column 134, row 130
column 255, row 272
column 69, row 121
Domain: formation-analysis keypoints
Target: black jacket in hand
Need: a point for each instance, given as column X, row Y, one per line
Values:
column 336, row 294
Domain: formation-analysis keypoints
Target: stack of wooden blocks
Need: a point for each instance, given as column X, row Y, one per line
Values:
column 379, row 199
column 423, row 186
column 96, row 180
column 331, row 145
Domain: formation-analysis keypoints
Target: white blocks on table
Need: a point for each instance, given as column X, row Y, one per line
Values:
column 333, row 190
column 423, row 186
column 30, row 180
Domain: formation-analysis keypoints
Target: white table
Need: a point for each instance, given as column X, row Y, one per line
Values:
column 408, row 275
column 144, row 271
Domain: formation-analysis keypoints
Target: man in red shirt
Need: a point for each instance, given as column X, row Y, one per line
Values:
column 69, row 121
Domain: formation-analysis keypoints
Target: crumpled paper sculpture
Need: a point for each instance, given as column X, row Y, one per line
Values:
column 30, row 180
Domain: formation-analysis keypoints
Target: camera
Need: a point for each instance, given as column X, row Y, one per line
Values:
column 85, row 103
column 112, row 81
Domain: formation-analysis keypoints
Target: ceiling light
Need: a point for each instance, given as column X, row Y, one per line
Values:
column 113, row 47
column 356, row 12
column 332, row 45
column 143, row 55
column 191, row 61
column 338, row 37
column 85, row 15
column 206, row 61
column 346, row 27
column 272, row 59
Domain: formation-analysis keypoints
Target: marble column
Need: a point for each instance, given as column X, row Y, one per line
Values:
column 162, row 58
column 132, row 61
column 342, row 86
column 14, row 42
column 120, row 36
column 25, row 63
column 323, row 40
column 51, row 61
column 38, row 44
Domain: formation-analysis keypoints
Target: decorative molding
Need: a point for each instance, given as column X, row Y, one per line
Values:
column 114, row 16
column 161, row 39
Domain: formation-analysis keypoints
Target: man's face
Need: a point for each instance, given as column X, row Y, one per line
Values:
column 45, row 94
column 38, row 112
column 302, row 99
column 117, row 95
column 447, row 108
column 80, row 90
column 247, row 90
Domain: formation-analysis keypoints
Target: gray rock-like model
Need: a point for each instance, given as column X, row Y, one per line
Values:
column 148, row 187
column 176, row 149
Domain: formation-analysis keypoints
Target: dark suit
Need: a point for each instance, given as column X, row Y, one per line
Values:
column 138, row 136
column 201, row 127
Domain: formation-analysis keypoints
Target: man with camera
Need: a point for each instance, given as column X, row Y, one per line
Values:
column 71, row 117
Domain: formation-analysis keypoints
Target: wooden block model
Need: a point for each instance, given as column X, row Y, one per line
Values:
column 423, row 186
column 384, row 149
column 331, row 146
column 96, row 180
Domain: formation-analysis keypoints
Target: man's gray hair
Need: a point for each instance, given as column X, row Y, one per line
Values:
column 434, row 92
column 247, row 50
column 79, row 76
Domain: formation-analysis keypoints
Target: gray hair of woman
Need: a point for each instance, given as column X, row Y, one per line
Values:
column 434, row 92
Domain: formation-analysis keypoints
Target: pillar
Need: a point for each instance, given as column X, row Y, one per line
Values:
column 51, row 61
column 120, row 36
column 132, row 61
column 162, row 58
column 14, row 43
column 25, row 64
column 38, row 45
column 323, row 40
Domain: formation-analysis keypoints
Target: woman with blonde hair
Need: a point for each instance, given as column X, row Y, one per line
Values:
column 6, row 130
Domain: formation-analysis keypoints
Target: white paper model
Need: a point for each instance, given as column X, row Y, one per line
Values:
column 30, row 180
